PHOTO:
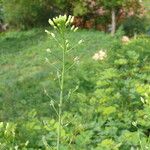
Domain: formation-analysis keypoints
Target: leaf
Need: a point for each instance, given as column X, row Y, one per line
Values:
column 109, row 110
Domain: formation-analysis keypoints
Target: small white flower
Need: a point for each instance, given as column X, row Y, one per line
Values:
column 80, row 42
column 76, row 59
column 125, row 39
column 48, row 50
column 96, row 56
column 100, row 55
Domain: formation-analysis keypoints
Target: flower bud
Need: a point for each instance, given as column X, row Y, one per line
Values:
column 69, row 18
column 48, row 50
column 72, row 19
column 75, row 29
column 81, row 41
column 142, row 100
column 67, row 45
column 47, row 31
column 52, row 34
column 51, row 22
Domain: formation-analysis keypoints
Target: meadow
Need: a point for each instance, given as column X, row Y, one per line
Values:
column 109, row 110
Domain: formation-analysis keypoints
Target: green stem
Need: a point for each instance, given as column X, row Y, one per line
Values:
column 140, row 140
column 61, row 96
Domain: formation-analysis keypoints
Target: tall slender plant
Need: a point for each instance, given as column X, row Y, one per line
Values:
column 61, row 25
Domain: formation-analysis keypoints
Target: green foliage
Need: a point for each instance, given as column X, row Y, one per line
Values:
column 80, row 8
column 134, row 25
column 113, row 3
column 109, row 109
column 27, row 13
column 1, row 11
column 32, row 13
column 120, row 77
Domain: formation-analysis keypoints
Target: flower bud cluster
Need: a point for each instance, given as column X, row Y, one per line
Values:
column 60, row 23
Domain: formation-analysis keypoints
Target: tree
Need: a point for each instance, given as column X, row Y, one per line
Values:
column 29, row 13
column 113, row 6
column 1, row 11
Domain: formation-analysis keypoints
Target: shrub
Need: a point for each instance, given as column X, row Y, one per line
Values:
column 27, row 13
column 134, row 25
column 1, row 12
column 114, row 99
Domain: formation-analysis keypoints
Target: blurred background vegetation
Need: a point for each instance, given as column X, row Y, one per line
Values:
column 132, row 15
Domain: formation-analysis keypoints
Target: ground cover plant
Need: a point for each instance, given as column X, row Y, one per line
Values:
column 108, row 110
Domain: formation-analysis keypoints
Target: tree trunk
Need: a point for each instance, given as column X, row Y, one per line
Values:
column 113, row 23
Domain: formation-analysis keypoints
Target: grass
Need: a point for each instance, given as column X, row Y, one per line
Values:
column 24, row 73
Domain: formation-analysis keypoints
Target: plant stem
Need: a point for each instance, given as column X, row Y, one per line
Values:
column 140, row 140
column 61, row 95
